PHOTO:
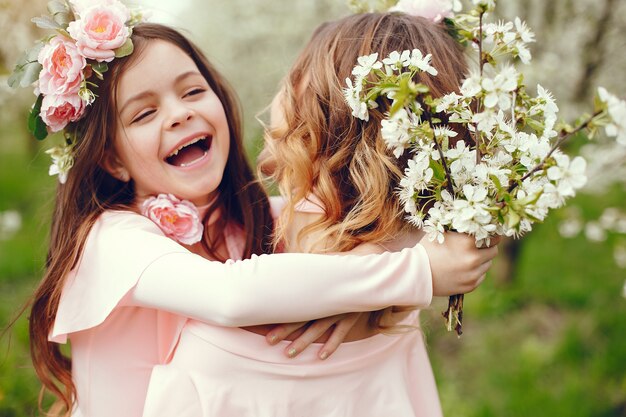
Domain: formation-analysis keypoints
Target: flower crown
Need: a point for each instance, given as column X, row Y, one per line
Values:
column 64, row 66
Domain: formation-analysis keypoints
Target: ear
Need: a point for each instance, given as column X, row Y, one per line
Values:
column 114, row 166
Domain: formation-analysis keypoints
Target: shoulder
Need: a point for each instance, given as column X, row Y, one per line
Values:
column 119, row 247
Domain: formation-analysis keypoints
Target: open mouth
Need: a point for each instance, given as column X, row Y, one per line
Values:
column 190, row 153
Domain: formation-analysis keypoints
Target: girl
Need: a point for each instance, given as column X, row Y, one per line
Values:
column 164, row 121
column 339, row 180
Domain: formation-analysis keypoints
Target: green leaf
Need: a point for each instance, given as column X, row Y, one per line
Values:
column 63, row 19
column 512, row 220
column 496, row 181
column 36, row 125
column 125, row 49
column 27, row 68
column 535, row 125
column 438, row 172
column 100, row 67
column 56, row 7
column 46, row 22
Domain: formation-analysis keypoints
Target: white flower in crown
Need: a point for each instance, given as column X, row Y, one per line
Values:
column 62, row 161
column 434, row 10
column 366, row 64
column 422, row 62
column 395, row 131
column 352, row 94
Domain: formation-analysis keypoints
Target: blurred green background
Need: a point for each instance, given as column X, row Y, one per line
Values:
column 544, row 336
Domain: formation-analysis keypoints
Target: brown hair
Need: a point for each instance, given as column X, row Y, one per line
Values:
column 90, row 190
column 324, row 150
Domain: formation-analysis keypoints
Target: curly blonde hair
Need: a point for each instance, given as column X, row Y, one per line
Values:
column 322, row 149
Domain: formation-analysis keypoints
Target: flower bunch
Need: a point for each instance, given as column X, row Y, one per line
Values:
column 484, row 160
column 64, row 66
column 178, row 219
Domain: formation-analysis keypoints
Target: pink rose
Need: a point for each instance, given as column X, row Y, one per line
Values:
column 63, row 65
column 58, row 110
column 434, row 10
column 100, row 30
column 178, row 219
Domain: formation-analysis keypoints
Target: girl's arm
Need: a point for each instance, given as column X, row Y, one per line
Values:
column 283, row 287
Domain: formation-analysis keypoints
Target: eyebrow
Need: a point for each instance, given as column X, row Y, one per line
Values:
column 149, row 93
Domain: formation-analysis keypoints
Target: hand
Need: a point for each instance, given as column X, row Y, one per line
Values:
column 457, row 265
column 335, row 328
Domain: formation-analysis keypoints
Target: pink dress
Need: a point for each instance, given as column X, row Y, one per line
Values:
column 220, row 371
column 125, row 304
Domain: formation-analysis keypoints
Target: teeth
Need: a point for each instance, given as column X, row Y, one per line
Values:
column 185, row 145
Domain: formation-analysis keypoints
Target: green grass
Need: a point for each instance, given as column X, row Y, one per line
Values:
column 550, row 342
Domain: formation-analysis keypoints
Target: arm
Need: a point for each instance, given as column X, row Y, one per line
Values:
column 283, row 287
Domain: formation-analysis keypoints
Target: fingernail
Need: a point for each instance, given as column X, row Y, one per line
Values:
column 272, row 338
column 323, row 355
column 292, row 352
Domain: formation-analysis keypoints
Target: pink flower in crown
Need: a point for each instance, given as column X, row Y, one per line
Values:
column 58, row 110
column 178, row 219
column 63, row 66
column 435, row 10
column 101, row 29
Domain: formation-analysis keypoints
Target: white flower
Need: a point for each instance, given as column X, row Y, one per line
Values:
column 550, row 109
column 532, row 149
column 366, row 64
column 395, row 131
column 471, row 85
column 418, row 60
column 524, row 33
column 463, row 160
column 434, row 225
column 470, row 214
column 595, row 232
column 568, row 176
column 352, row 94
column 617, row 113
column 417, row 174
column 485, row 120
column 10, row 223
column 449, row 100
column 62, row 162
column 499, row 88
column 397, row 59
column 570, row 228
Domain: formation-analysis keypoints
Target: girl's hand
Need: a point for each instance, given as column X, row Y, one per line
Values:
column 457, row 265
column 331, row 331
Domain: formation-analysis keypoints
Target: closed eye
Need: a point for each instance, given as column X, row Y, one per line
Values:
column 142, row 116
column 194, row 92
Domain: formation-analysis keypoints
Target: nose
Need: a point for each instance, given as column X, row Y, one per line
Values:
column 179, row 114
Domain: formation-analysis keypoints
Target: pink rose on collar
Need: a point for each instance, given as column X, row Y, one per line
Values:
column 63, row 65
column 178, row 219
column 434, row 10
column 58, row 110
column 101, row 29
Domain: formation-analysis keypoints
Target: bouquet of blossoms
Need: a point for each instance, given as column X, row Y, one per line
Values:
column 509, row 172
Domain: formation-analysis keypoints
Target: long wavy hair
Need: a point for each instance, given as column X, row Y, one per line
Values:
column 90, row 190
column 322, row 149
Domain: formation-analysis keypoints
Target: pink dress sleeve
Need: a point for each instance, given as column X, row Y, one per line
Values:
column 127, row 259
